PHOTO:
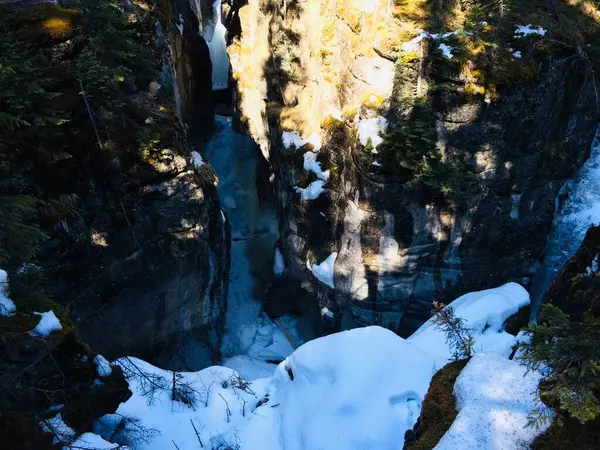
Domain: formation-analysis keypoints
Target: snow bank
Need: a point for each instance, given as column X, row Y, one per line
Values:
column 351, row 390
column 250, row 368
column 48, row 324
column 224, row 412
column 312, row 191
column 526, row 30
column 102, row 366
column 358, row 389
column 494, row 397
column 324, row 271
column 197, row 160
column 484, row 313
column 371, row 129
column 7, row 306
column 312, row 165
column 293, row 139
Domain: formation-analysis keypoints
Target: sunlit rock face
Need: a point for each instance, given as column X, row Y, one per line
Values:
column 323, row 75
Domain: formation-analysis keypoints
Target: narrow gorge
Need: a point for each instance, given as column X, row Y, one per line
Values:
column 225, row 222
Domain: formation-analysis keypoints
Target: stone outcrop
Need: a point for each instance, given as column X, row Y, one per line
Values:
column 137, row 250
column 576, row 289
column 319, row 69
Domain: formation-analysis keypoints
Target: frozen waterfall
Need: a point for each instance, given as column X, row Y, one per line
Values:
column 573, row 217
column 217, row 46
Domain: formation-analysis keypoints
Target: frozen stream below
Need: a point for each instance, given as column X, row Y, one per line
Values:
column 251, row 338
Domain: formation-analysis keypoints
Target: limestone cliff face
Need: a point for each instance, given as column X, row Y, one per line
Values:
column 321, row 70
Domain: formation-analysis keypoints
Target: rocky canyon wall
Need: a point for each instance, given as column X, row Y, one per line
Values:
column 320, row 82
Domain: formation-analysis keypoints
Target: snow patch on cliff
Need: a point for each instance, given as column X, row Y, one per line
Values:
column 47, row 324
column 324, row 271
column 312, row 191
column 371, row 129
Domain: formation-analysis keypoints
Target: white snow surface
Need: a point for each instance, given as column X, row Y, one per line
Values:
column 48, row 324
column 102, row 366
column 324, row 271
column 312, row 191
column 358, row 389
column 91, row 441
column 350, row 390
column 371, row 129
column 312, row 165
column 526, row 30
column 484, row 313
column 494, row 397
column 293, row 139
column 446, row 50
column 250, row 368
column 197, row 160
column 58, row 428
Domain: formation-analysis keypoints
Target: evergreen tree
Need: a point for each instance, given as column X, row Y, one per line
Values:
column 568, row 354
column 458, row 335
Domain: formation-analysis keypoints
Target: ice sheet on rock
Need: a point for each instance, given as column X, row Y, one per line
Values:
column 48, row 324
column 312, row 191
column 324, row 271
column 90, row 441
column 102, row 366
column 3, row 283
column 526, row 30
column 312, row 165
column 484, row 313
column 254, row 227
column 370, row 129
column 250, row 368
column 494, row 398
column 217, row 47
column 294, row 139
column 446, row 50
column 197, row 160
column 350, row 390
column 7, row 306
column 278, row 263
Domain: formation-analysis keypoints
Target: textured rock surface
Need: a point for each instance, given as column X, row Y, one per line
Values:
column 576, row 289
column 143, row 269
column 400, row 244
